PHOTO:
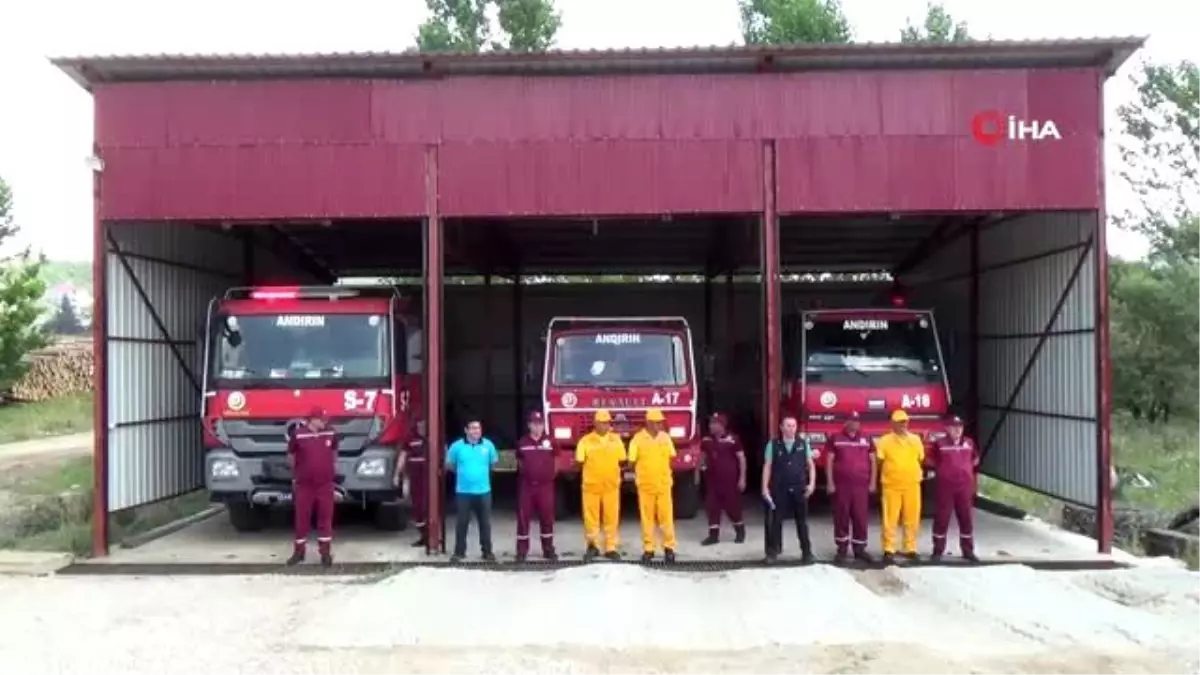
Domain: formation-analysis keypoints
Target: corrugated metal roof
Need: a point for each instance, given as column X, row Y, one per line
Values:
column 1107, row 53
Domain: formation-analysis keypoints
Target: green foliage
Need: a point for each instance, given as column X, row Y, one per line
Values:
column 71, row 414
column 76, row 273
column 466, row 26
column 939, row 27
column 21, row 290
column 65, row 320
column 781, row 22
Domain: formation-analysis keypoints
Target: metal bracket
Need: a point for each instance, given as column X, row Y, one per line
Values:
column 154, row 316
column 1043, row 337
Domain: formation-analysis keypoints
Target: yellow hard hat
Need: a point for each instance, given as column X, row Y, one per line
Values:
column 602, row 416
column 899, row 416
column 654, row 415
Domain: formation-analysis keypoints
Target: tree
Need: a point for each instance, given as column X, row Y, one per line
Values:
column 939, row 27
column 21, row 289
column 466, row 25
column 66, row 320
column 780, row 22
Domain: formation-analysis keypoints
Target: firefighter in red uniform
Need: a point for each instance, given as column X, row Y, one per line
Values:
column 725, row 471
column 535, row 488
column 412, row 462
column 955, row 460
column 312, row 451
column 850, row 474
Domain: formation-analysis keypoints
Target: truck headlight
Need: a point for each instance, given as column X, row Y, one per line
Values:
column 222, row 469
column 562, row 433
column 678, row 432
column 374, row 467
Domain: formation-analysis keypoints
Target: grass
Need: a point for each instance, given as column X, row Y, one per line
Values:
column 27, row 421
column 62, row 496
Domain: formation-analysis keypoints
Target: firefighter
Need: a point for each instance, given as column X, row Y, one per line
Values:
column 725, row 473
column 955, row 460
column 411, row 461
column 650, row 452
column 535, row 488
column 901, row 455
column 850, row 475
column 312, row 452
column 788, row 480
column 601, row 454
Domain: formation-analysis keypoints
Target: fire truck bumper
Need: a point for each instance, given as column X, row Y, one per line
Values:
column 268, row 480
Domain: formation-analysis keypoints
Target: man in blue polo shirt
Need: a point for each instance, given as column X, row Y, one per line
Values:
column 471, row 459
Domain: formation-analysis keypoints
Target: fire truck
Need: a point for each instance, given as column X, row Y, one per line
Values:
column 870, row 361
column 274, row 354
column 625, row 365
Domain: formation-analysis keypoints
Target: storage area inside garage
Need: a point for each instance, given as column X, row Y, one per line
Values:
column 650, row 198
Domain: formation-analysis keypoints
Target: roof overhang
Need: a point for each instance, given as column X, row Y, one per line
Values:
column 1102, row 53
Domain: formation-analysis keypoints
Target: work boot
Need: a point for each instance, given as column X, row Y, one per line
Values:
column 550, row 555
column 771, row 558
column 488, row 556
column 912, row 556
column 591, row 554
column 936, row 557
column 420, row 543
column 711, row 539
column 840, row 558
column 456, row 558
column 613, row 556
column 807, row 558
column 889, row 559
column 297, row 557
column 647, row 557
column 970, row 557
column 520, row 557
column 863, row 556
column 739, row 534
column 669, row 555
column 326, row 560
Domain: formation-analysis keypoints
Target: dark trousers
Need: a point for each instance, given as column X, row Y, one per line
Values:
column 850, row 505
column 481, row 507
column 958, row 500
column 535, row 500
column 789, row 503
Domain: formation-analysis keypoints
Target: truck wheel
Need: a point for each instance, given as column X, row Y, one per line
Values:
column 391, row 517
column 686, row 496
column 247, row 517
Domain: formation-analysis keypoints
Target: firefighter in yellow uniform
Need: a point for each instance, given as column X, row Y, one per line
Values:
column 650, row 452
column 901, row 456
column 601, row 453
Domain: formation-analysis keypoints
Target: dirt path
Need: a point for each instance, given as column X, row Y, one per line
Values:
column 40, row 451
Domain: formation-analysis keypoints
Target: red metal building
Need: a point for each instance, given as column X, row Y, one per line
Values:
column 227, row 169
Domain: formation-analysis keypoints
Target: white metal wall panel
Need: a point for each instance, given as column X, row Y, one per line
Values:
column 154, row 447
column 1047, row 440
column 942, row 283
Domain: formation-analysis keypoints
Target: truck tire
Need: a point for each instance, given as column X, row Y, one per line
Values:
column 247, row 517
column 686, row 496
column 391, row 517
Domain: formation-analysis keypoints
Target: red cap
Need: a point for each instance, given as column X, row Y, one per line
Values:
column 719, row 418
column 853, row 415
column 953, row 420
column 317, row 413
column 535, row 416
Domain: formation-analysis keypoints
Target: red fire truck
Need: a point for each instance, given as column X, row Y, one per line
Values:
column 624, row 365
column 272, row 355
column 872, row 361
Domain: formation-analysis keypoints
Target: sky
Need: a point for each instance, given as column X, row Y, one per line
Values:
column 46, row 120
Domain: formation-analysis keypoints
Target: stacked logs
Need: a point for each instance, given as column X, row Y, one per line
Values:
column 59, row 370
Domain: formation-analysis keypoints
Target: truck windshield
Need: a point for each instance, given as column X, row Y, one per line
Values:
column 301, row 347
column 620, row 359
column 871, row 352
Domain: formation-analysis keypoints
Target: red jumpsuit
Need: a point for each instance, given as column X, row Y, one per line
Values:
column 954, row 463
column 722, row 470
column 852, row 480
column 416, row 453
column 314, row 456
column 535, row 492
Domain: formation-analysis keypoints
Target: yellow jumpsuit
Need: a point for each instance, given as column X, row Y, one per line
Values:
column 900, row 474
column 651, row 457
column 601, row 456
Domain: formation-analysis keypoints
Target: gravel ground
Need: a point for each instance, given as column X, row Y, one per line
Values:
column 609, row 619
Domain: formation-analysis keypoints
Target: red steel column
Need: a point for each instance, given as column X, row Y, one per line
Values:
column 100, row 368
column 772, row 367
column 1104, row 521
column 433, row 351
